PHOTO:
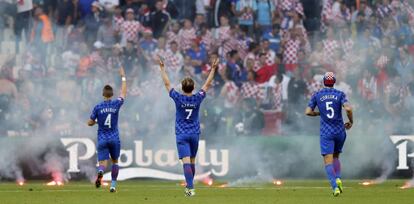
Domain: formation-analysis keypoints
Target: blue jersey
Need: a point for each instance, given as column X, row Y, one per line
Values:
column 106, row 113
column 329, row 102
column 187, row 110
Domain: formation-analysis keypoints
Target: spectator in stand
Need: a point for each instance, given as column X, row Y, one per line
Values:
column 270, row 54
column 206, row 37
column 238, row 73
column 159, row 19
column 264, row 16
column 187, row 34
column 291, row 47
column 249, row 121
column 86, row 7
column 251, row 89
column 144, row 15
column 92, row 23
column 404, row 65
column 330, row 45
column 274, row 38
column 246, row 12
column 175, row 60
column 130, row 28
column 265, row 71
column 42, row 33
column 185, row 9
column 147, row 45
column 117, row 21
column 115, row 61
column 130, row 57
column 107, row 33
column 65, row 17
column 131, row 4
column 198, row 56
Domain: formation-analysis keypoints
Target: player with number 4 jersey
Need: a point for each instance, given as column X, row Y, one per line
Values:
column 187, row 124
column 105, row 114
column 330, row 102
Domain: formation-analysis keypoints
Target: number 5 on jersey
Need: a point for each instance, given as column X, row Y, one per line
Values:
column 330, row 109
column 190, row 112
column 108, row 121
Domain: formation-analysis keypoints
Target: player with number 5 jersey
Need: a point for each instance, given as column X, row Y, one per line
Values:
column 330, row 102
column 105, row 114
column 187, row 124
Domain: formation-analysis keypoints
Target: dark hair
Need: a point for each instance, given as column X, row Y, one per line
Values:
column 232, row 53
column 107, row 92
column 187, row 85
column 262, row 54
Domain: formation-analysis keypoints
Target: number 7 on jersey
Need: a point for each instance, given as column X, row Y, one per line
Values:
column 190, row 112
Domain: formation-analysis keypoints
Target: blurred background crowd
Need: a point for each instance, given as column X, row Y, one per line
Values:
column 56, row 56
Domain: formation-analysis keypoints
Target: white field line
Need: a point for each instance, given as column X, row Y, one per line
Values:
column 164, row 188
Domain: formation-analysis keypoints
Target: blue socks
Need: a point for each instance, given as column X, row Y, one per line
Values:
column 189, row 176
column 114, row 172
column 101, row 169
column 337, row 167
column 193, row 168
column 331, row 175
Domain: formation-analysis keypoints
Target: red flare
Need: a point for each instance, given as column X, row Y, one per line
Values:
column 367, row 183
column 20, row 183
column 277, row 182
column 55, row 183
column 52, row 183
column 224, row 185
column 407, row 185
column 208, row 181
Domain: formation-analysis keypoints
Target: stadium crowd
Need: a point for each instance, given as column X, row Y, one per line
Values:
column 273, row 55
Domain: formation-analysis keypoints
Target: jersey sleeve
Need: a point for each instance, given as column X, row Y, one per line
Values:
column 94, row 114
column 120, row 102
column 174, row 94
column 201, row 95
column 312, row 103
column 344, row 99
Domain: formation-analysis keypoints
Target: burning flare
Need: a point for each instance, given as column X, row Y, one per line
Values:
column 367, row 183
column 55, row 183
column 277, row 182
column 208, row 181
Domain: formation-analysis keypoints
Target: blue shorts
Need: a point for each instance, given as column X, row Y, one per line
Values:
column 109, row 149
column 332, row 144
column 187, row 145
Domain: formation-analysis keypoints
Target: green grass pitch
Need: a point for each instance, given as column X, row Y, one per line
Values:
column 159, row 192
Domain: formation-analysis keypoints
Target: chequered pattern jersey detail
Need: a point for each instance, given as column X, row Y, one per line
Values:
column 100, row 113
column 290, row 54
column 131, row 29
column 187, row 120
column 328, row 100
column 186, row 38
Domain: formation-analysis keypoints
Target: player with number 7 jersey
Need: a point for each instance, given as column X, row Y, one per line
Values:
column 105, row 114
column 187, row 123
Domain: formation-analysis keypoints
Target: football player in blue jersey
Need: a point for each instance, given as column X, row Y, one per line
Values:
column 105, row 114
column 330, row 102
column 187, row 123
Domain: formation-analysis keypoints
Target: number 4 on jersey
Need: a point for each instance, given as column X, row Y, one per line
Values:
column 108, row 121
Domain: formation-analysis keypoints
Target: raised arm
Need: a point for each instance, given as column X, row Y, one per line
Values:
column 210, row 77
column 349, row 113
column 164, row 75
column 124, row 85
